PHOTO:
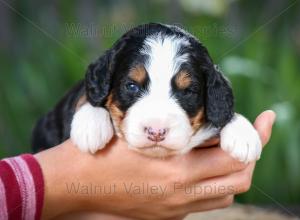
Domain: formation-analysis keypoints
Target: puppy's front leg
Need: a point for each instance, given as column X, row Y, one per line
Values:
column 91, row 128
column 240, row 139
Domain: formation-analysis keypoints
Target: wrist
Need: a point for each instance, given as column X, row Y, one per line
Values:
column 59, row 165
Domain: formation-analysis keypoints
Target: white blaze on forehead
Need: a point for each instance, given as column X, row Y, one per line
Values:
column 156, row 108
column 164, row 60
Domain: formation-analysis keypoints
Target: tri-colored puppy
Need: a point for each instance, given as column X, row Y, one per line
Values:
column 158, row 88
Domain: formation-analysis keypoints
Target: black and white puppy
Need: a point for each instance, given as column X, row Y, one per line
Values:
column 158, row 88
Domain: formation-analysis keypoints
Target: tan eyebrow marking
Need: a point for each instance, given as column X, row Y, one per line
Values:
column 138, row 74
column 183, row 80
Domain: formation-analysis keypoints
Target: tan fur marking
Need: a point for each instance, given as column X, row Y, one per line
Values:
column 197, row 120
column 81, row 101
column 116, row 114
column 183, row 80
column 138, row 74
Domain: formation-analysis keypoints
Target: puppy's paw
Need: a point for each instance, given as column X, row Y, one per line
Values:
column 91, row 128
column 241, row 140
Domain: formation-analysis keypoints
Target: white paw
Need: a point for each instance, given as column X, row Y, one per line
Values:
column 241, row 140
column 91, row 128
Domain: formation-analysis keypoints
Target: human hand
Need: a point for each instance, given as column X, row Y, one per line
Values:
column 203, row 179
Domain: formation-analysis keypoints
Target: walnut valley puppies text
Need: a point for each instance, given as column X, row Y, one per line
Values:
column 144, row 189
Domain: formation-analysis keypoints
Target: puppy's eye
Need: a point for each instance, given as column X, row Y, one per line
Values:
column 191, row 91
column 132, row 87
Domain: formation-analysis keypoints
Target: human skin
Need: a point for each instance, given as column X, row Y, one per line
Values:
column 208, row 167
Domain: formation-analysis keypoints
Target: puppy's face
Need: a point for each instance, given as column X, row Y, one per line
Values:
column 157, row 97
column 161, row 88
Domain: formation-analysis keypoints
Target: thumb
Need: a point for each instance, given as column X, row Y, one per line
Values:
column 263, row 124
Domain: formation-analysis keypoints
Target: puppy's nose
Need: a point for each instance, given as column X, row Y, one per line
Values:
column 156, row 134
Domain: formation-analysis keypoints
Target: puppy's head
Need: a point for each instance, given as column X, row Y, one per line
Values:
column 160, row 86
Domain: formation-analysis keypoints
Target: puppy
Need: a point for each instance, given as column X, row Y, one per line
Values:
column 157, row 88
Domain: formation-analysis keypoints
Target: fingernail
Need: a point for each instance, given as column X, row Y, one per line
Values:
column 272, row 116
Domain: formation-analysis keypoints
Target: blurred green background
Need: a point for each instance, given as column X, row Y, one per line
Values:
column 45, row 47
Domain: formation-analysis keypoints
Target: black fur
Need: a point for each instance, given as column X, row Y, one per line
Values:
column 54, row 127
column 219, row 99
column 109, row 73
column 98, row 80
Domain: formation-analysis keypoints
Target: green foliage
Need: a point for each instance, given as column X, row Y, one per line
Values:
column 258, row 52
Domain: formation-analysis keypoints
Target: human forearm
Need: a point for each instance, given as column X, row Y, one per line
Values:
column 58, row 165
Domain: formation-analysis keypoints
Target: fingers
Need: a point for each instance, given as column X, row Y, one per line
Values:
column 213, row 188
column 263, row 124
column 221, row 176
column 205, row 163
column 235, row 183
column 203, row 205
column 211, row 204
column 180, row 209
column 212, row 162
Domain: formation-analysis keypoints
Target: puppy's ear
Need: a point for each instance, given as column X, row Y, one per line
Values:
column 91, row 128
column 219, row 98
column 98, row 80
